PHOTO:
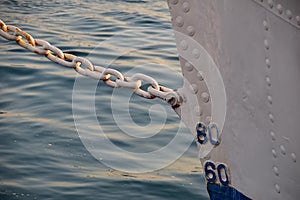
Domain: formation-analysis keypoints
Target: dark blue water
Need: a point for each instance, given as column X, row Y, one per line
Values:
column 41, row 153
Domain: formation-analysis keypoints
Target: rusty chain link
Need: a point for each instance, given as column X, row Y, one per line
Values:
column 56, row 55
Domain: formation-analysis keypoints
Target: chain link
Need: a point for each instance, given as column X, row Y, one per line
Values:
column 85, row 67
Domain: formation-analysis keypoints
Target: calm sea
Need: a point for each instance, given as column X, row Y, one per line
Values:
column 45, row 153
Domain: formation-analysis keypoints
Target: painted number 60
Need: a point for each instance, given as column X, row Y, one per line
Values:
column 212, row 172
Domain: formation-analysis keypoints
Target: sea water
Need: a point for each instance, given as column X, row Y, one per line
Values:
column 43, row 154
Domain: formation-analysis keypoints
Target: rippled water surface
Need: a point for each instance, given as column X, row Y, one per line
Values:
column 41, row 153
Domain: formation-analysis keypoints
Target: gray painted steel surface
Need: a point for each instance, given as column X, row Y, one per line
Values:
column 255, row 46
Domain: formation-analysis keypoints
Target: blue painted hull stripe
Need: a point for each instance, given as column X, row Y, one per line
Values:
column 218, row 192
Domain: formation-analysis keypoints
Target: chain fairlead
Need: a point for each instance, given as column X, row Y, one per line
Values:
column 56, row 55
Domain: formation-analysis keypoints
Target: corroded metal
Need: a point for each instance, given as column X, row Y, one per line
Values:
column 96, row 72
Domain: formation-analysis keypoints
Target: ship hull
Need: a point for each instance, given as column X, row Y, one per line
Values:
column 248, row 55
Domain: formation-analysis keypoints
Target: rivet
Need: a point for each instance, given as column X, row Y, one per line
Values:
column 205, row 97
column 196, row 53
column 194, row 88
column 298, row 20
column 282, row 149
column 191, row 30
column 266, row 26
column 179, row 21
column 270, row 99
column 184, row 45
column 186, row 7
column 266, row 43
column 174, row 2
column 274, row 153
column 277, row 188
column 188, row 66
column 294, row 157
column 288, row 14
column 268, row 63
column 279, row 8
column 270, row 2
column 200, row 76
column 276, row 170
column 271, row 116
column 268, row 80
column 273, row 136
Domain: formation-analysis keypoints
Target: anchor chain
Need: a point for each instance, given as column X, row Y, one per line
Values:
column 85, row 67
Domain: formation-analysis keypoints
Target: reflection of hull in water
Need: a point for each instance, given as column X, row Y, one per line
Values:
column 255, row 45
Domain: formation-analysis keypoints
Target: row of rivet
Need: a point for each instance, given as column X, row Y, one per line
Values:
column 195, row 52
column 279, row 11
column 270, row 102
column 204, row 96
column 190, row 29
column 271, row 116
column 179, row 22
column 270, row 99
column 268, row 64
